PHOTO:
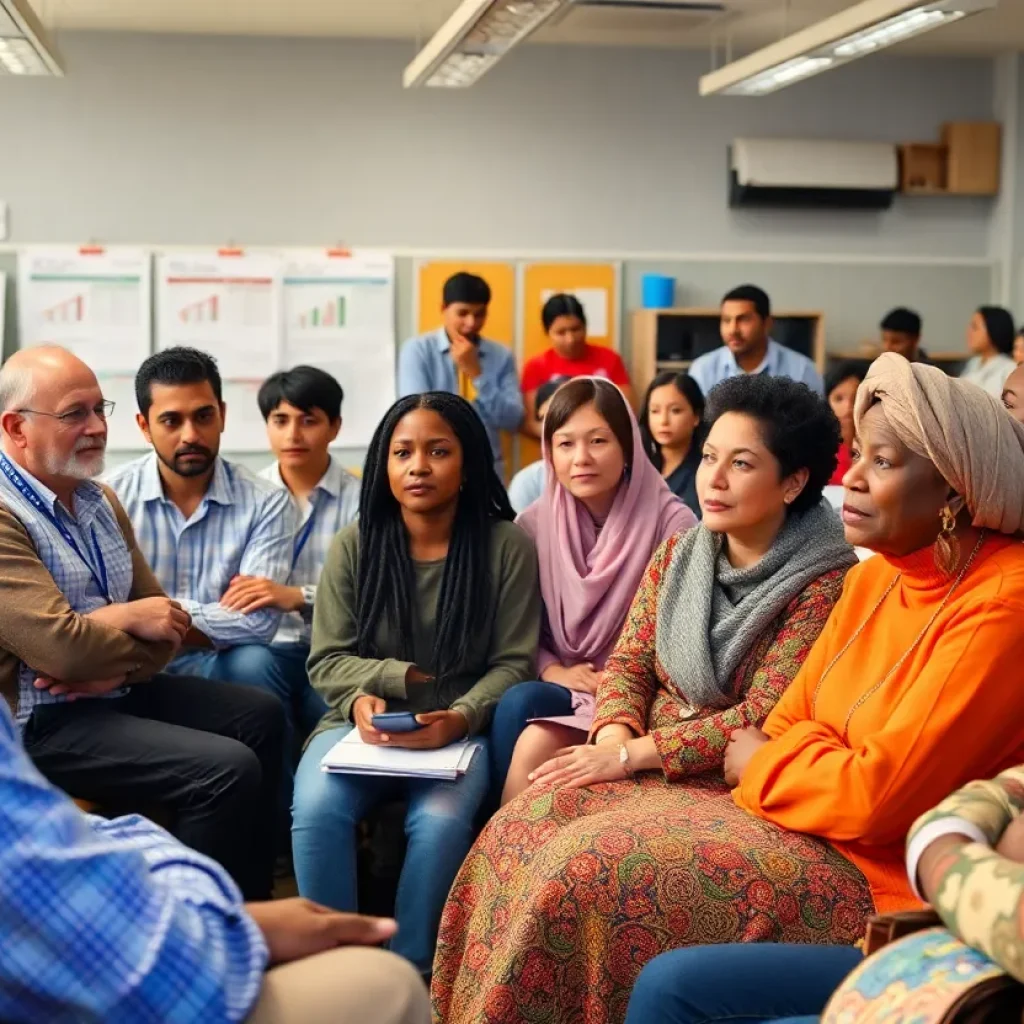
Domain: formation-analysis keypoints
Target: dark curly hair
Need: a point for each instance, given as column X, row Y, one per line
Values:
column 385, row 576
column 797, row 427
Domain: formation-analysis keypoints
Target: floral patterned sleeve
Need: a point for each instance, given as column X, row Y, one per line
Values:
column 629, row 683
column 989, row 805
column 698, row 744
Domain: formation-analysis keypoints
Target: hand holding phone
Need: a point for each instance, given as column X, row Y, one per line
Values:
column 396, row 721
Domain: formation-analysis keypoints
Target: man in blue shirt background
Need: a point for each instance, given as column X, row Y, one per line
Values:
column 457, row 359
column 747, row 346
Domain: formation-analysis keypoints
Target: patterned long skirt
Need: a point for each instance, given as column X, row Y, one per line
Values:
column 567, row 894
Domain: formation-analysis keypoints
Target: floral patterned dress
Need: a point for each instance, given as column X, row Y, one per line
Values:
column 567, row 894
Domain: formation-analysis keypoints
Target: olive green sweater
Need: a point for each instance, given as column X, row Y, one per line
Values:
column 496, row 659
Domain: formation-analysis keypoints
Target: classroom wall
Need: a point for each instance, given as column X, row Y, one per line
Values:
column 167, row 140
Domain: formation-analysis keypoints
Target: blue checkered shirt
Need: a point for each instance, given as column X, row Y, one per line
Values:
column 112, row 920
column 94, row 519
column 244, row 526
column 333, row 504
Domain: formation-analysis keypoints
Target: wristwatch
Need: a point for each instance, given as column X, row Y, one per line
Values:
column 624, row 760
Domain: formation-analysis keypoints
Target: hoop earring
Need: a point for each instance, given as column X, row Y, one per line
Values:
column 947, row 546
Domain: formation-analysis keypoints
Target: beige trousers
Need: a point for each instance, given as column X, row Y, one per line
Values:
column 354, row 985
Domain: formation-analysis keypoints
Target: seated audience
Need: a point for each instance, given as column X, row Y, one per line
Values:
column 429, row 605
column 841, row 386
column 86, row 631
column 670, row 429
column 901, row 333
column 990, row 336
column 302, row 409
column 457, row 359
column 116, row 921
column 747, row 345
column 604, row 513
column 604, row 862
column 528, row 484
column 1013, row 394
column 965, row 857
column 565, row 323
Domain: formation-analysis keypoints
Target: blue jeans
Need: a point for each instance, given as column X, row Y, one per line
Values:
column 517, row 706
column 438, row 823
column 277, row 669
column 749, row 982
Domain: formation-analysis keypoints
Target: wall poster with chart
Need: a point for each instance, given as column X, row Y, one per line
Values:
column 339, row 315
column 96, row 302
column 226, row 303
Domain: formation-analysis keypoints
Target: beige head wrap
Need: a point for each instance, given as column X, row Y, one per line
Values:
column 972, row 440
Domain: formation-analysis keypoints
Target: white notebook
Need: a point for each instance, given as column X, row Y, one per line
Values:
column 354, row 757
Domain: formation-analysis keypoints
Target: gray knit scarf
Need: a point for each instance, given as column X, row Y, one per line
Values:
column 710, row 615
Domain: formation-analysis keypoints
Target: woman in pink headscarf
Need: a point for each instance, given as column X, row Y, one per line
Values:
column 604, row 512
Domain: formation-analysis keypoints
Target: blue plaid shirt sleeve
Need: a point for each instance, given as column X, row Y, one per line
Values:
column 112, row 921
column 268, row 554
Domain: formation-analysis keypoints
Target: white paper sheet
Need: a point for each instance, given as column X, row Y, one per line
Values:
column 351, row 755
column 339, row 315
column 95, row 302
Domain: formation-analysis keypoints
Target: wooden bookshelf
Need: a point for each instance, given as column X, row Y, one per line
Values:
column 670, row 339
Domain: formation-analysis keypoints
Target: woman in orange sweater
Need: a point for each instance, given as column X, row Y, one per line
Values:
column 913, row 687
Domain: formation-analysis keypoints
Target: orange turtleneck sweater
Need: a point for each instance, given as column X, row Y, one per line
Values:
column 951, row 714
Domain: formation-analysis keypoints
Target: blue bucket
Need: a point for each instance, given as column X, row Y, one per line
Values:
column 659, row 292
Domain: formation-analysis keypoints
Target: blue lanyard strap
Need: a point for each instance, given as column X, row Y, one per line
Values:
column 303, row 535
column 28, row 492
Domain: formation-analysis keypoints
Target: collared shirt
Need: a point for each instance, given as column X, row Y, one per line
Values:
column 112, row 920
column 779, row 361
column 96, row 532
column 425, row 365
column 334, row 503
column 527, row 486
column 244, row 526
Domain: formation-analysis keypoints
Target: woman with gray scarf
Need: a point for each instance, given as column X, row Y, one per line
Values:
column 636, row 829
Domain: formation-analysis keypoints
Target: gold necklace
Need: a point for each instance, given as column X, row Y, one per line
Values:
column 906, row 654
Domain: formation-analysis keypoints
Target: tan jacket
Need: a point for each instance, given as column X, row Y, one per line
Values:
column 39, row 627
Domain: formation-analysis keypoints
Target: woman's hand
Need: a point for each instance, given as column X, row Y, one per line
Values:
column 614, row 732
column 363, row 711
column 582, row 678
column 575, row 767
column 439, row 729
column 743, row 745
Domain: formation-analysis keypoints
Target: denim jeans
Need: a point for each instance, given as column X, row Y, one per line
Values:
column 277, row 669
column 439, row 824
column 748, row 983
column 517, row 706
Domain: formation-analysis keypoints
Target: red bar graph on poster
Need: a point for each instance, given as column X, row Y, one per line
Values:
column 204, row 311
column 69, row 311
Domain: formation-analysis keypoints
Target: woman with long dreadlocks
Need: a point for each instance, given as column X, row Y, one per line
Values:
column 429, row 604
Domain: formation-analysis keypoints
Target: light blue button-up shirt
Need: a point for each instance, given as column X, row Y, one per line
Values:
column 714, row 367
column 425, row 365
column 334, row 503
column 244, row 526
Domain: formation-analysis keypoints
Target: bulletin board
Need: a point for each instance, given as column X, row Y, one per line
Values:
column 596, row 285
column 501, row 318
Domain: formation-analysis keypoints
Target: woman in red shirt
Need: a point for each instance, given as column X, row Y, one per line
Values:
column 841, row 389
column 565, row 322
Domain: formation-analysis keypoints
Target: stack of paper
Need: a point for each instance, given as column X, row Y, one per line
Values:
column 351, row 756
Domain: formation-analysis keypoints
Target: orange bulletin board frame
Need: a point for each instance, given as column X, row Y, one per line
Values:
column 541, row 278
column 501, row 319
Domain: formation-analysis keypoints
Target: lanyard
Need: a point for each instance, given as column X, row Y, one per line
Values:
column 303, row 535
column 28, row 492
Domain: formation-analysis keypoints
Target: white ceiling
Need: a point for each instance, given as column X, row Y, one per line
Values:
column 747, row 24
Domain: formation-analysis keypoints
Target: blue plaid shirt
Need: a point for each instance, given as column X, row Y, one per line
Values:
column 243, row 526
column 333, row 504
column 95, row 530
column 112, row 920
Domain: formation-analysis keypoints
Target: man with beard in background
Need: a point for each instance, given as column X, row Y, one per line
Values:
column 86, row 633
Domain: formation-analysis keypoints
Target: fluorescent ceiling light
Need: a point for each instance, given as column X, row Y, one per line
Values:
column 24, row 46
column 477, row 35
column 859, row 30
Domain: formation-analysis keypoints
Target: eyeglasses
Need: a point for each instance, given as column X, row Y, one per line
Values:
column 76, row 417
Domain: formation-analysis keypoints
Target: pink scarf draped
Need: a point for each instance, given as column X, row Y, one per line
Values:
column 588, row 578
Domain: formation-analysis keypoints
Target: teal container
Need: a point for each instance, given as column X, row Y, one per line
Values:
column 659, row 292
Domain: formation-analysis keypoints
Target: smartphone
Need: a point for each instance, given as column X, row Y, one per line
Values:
column 396, row 721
